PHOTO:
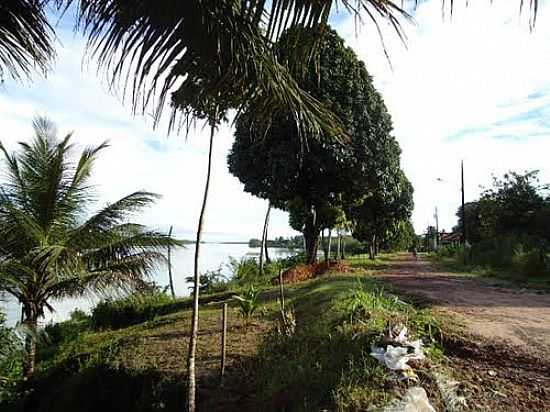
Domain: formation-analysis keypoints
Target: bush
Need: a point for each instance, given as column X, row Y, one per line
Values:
column 212, row 281
column 246, row 272
column 134, row 309
column 523, row 255
column 454, row 250
column 11, row 362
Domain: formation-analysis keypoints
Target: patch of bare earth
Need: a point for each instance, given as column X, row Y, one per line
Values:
column 503, row 356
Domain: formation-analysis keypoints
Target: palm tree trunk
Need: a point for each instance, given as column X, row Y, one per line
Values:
column 191, row 382
column 263, row 246
column 31, row 321
column 267, row 259
column 170, row 279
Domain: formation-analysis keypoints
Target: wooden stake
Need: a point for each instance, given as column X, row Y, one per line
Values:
column 224, row 340
column 281, row 294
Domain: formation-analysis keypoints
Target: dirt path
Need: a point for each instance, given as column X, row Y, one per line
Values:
column 500, row 314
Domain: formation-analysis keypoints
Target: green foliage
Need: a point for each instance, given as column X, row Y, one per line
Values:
column 295, row 242
column 508, row 227
column 11, row 362
column 118, row 313
column 212, row 281
column 326, row 364
column 382, row 217
column 365, row 299
column 315, row 184
column 247, row 272
column 516, row 205
column 248, row 302
column 50, row 246
column 58, row 333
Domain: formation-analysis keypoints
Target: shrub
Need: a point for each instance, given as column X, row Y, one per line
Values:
column 11, row 362
column 57, row 333
column 248, row 302
column 211, row 281
column 131, row 310
column 247, row 272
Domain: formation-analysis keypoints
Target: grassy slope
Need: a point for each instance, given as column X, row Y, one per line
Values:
column 325, row 364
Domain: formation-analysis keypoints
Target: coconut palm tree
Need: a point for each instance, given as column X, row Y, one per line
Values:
column 25, row 38
column 50, row 247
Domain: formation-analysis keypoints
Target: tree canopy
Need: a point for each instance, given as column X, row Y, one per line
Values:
column 311, row 178
column 516, row 204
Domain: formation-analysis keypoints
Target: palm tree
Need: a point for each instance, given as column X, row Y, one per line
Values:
column 25, row 38
column 49, row 248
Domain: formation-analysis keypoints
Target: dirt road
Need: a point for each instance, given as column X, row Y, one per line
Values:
column 514, row 316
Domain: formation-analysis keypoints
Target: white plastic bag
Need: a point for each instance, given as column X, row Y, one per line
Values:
column 415, row 400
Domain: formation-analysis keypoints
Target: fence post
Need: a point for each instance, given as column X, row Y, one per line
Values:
column 281, row 294
column 224, row 340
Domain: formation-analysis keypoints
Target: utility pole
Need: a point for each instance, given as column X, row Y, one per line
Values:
column 436, row 243
column 463, row 213
column 463, row 208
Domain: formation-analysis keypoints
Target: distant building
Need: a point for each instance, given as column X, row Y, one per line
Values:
column 451, row 238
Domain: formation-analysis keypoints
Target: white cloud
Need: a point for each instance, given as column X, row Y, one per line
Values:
column 139, row 158
column 459, row 85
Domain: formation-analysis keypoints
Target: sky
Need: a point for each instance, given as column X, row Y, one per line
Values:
column 474, row 87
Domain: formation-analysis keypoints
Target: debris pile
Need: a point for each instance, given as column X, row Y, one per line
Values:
column 415, row 400
column 396, row 351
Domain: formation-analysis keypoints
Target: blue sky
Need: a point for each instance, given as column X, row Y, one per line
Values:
column 475, row 88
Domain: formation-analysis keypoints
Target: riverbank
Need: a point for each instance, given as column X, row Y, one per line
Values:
column 326, row 364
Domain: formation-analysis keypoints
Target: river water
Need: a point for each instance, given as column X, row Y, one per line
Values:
column 213, row 256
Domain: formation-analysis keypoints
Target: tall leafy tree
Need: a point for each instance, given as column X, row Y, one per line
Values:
column 310, row 177
column 378, row 215
column 51, row 247
column 516, row 204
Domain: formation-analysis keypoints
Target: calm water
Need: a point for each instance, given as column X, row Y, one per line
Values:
column 213, row 256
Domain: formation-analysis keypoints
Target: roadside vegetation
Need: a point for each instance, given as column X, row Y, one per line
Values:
column 324, row 364
column 508, row 233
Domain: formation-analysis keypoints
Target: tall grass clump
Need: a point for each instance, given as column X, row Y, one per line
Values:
column 119, row 313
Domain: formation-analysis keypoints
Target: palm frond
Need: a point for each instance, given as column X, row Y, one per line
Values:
column 26, row 38
column 206, row 56
column 94, row 229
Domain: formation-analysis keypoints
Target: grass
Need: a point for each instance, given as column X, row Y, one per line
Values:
column 325, row 364
column 503, row 276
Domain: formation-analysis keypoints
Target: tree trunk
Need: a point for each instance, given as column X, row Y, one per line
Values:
column 329, row 242
column 311, row 236
column 267, row 259
column 31, row 322
column 339, row 245
column 170, row 279
column 263, row 245
column 376, row 247
column 371, row 247
column 191, row 383
column 343, row 250
column 324, row 245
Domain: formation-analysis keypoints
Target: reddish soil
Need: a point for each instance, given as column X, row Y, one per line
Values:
column 502, row 358
column 512, row 316
column 301, row 273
